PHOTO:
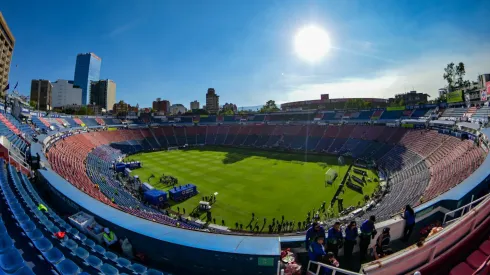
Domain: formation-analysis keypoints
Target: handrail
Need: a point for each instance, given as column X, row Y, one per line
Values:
column 333, row 268
column 462, row 208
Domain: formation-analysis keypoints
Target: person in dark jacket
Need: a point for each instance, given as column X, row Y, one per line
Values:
column 334, row 239
column 315, row 230
column 409, row 216
column 351, row 233
column 368, row 231
column 383, row 244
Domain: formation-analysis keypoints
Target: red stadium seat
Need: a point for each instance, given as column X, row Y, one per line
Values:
column 476, row 259
column 462, row 269
column 485, row 247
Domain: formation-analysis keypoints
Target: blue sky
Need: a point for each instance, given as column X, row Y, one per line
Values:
column 244, row 49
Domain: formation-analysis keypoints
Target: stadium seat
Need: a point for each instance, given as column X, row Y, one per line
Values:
column 11, row 260
column 138, row 268
column 67, row 267
column 99, row 249
column 462, row 269
column 35, row 235
column 93, row 261
column 81, row 253
column 54, row 256
column 153, row 272
column 485, row 247
column 28, row 226
column 89, row 243
column 108, row 269
column 24, row 271
column 5, row 243
column 123, row 262
column 70, row 244
column 43, row 244
column 476, row 259
column 111, row 256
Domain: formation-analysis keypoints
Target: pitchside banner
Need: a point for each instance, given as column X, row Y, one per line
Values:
column 401, row 108
column 455, row 97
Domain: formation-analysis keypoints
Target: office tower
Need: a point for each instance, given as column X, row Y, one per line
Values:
column 65, row 93
column 41, row 93
column 87, row 69
column 7, row 42
column 161, row 106
column 103, row 93
column 212, row 101
column 194, row 105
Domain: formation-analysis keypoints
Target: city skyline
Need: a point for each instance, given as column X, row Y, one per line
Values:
column 249, row 57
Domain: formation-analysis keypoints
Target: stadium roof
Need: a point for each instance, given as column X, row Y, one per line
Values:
column 241, row 244
column 469, row 125
column 442, row 122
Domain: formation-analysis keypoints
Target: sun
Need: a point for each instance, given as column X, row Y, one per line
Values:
column 312, row 43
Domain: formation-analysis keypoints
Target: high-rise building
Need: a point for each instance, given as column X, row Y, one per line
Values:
column 41, row 93
column 87, row 69
column 230, row 106
column 194, row 105
column 212, row 101
column 65, row 93
column 7, row 42
column 103, row 93
column 161, row 106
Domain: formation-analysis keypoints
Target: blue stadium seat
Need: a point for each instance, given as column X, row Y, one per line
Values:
column 93, row 261
column 153, row 272
column 140, row 269
column 11, row 260
column 24, row 271
column 43, row 244
column 81, row 253
column 5, row 243
column 82, row 237
column 70, row 244
column 68, row 267
column 35, row 235
column 99, row 249
column 73, row 231
column 123, row 262
column 22, row 218
column 111, row 256
column 3, row 230
column 89, row 243
column 28, row 226
column 54, row 256
column 108, row 269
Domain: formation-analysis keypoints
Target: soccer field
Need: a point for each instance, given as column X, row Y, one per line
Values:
column 268, row 184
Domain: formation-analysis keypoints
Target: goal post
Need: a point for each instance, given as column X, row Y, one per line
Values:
column 330, row 176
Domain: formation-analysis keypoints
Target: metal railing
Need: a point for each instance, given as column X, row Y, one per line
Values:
column 334, row 269
column 464, row 209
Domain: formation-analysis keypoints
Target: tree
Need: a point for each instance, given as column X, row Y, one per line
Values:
column 227, row 112
column 460, row 72
column 270, row 106
column 356, row 103
column 449, row 75
column 33, row 104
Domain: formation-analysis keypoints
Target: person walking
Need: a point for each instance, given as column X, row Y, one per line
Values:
column 409, row 217
column 351, row 233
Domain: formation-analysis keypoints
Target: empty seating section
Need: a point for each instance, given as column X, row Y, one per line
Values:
column 377, row 114
column 391, row 115
column 39, row 124
column 365, row 115
column 79, row 121
column 15, row 140
column 90, row 122
column 100, row 121
column 73, row 254
column 454, row 113
column 419, row 113
column 475, row 262
column 23, row 127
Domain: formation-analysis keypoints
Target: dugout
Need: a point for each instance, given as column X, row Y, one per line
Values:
column 183, row 192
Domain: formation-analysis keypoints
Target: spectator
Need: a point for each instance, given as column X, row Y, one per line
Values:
column 351, row 233
column 383, row 244
column 314, row 231
column 368, row 231
column 316, row 251
column 335, row 239
column 127, row 248
column 109, row 237
column 409, row 216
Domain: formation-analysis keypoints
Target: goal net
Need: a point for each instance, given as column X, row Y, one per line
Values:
column 330, row 176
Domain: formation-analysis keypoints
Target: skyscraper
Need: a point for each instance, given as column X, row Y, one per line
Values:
column 103, row 93
column 64, row 93
column 87, row 69
column 7, row 42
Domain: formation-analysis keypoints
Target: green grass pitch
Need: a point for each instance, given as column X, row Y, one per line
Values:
column 268, row 184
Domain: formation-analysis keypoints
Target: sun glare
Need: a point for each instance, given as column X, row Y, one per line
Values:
column 312, row 43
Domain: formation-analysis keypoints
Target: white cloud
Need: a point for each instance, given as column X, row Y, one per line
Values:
column 423, row 74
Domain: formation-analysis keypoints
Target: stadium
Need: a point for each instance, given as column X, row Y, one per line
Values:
column 152, row 182
column 361, row 184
